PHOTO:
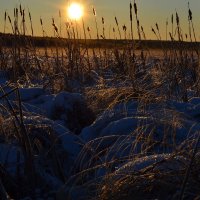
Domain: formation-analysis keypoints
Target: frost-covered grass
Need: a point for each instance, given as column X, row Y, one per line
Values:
column 103, row 125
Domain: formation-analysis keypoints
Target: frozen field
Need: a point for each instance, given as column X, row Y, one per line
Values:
column 84, row 123
column 101, row 132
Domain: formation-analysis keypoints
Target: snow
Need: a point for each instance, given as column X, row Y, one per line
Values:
column 144, row 162
column 11, row 157
column 43, row 105
column 157, row 165
column 123, row 126
column 110, row 116
column 119, row 136
column 66, row 100
column 70, row 142
column 30, row 93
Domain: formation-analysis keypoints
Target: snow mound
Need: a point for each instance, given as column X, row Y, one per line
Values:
column 148, row 161
column 11, row 158
column 70, row 108
column 28, row 94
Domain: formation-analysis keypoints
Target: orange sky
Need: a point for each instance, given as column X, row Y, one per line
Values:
column 149, row 13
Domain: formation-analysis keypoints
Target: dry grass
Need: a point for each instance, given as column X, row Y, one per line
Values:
column 106, row 78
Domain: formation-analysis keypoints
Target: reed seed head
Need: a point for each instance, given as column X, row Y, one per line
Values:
column 55, row 27
column 177, row 19
column 20, row 7
column 116, row 21
column 102, row 36
column 16, row 12
column 157, row 27
column 94, row 12
column 41, row 22
column 152, row 29
column 53, row 22
column 190, row 14
column 138, row 23
column 5, row 16
column 135, row 8
column 103, row 21
column 131, row 15
column 172, row 19
column 29, row 15
column 23, row 16
column 124, row 28
column 9, row 19
column 88, row 29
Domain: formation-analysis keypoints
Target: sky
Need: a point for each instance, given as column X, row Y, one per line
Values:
column 149, row 12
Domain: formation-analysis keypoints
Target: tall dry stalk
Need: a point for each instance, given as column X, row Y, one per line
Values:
column 96, row 24
column 31, row 22
column 118, row 28
column 137, row 20
column 131, row 20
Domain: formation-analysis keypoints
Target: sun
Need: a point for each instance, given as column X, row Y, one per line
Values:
column 75, row 11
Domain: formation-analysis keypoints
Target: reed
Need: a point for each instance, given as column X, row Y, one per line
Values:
column 122, row 74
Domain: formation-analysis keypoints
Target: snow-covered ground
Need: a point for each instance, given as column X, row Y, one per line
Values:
column 71, row 148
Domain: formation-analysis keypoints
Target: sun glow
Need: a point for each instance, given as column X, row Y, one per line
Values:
column 75, row 11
